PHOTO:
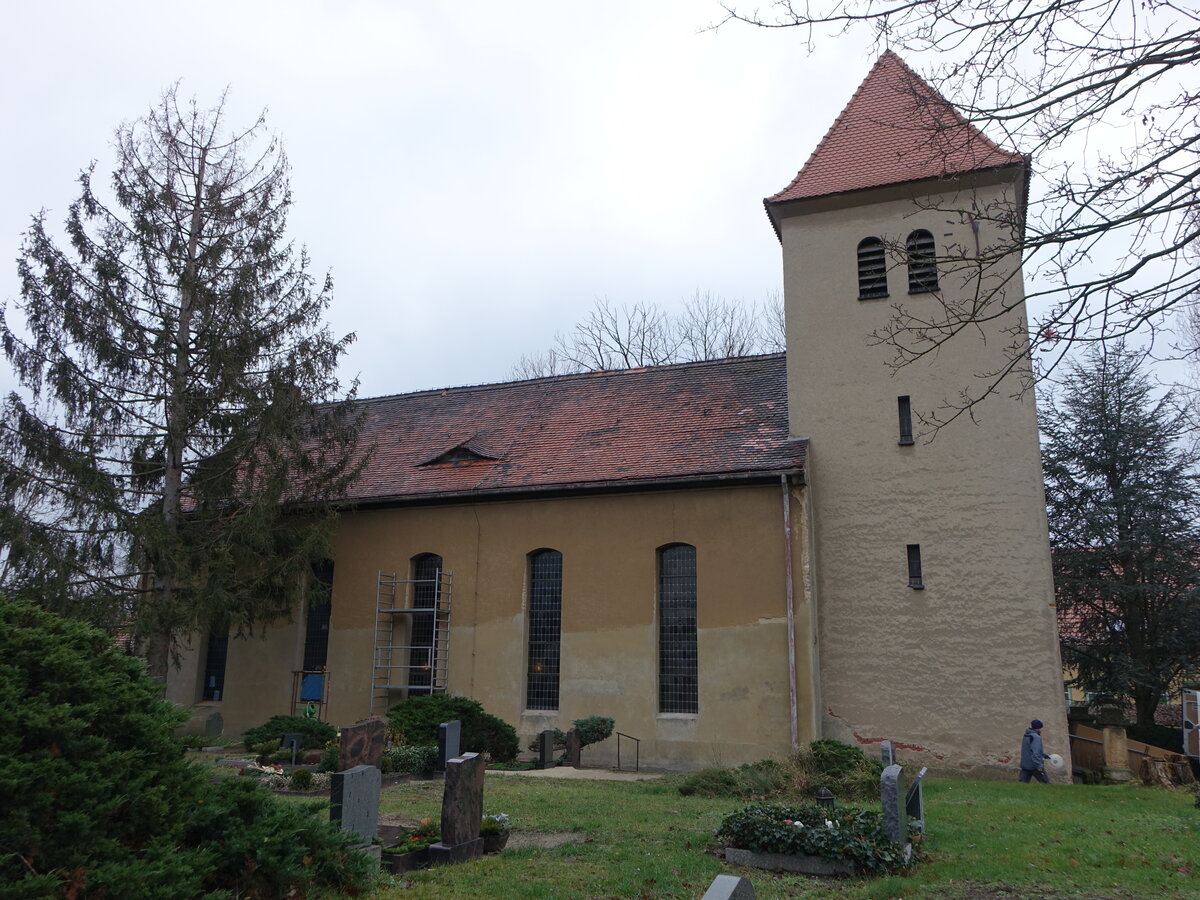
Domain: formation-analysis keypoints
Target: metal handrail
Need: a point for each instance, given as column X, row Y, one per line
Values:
column 637, row 750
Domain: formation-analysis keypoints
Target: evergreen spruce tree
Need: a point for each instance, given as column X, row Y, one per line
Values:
column 181, row 425
column 1123, row 497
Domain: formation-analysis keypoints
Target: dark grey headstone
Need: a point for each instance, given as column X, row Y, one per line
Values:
column 449, row 741
column 546, row 749
column 914, row 803
column 574, row 747
column 729, row 887
column 462, row 808
column 214, row 725
column 293, row 742
column 891, row 790
column 887, row 753
column 354, row 798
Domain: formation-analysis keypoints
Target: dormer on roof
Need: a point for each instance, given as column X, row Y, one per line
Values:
column 895, row 129
column 461, row 452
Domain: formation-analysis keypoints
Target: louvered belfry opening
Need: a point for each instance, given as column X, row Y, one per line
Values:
column 872, row 269
column 922, row 262
column 677, row 657
column 545, row 629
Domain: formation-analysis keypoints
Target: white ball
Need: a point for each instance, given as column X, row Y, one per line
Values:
column 1056, row 761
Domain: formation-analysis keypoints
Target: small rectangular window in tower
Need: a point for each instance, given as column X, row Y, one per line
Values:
column 905, row 408
column 914, row 568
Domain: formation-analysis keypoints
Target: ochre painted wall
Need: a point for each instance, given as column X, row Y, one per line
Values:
column 609, row 619
column 952, row 673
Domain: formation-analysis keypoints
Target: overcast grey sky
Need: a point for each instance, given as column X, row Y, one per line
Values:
column 474, row 174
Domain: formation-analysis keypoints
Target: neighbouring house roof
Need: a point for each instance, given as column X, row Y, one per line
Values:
column 895, row 129
column 695, row 422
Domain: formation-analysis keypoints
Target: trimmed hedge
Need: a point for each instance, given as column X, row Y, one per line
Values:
column 416, row 721
column 316, row 733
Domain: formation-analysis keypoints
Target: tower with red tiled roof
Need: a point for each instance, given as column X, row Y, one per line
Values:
column 931, row 567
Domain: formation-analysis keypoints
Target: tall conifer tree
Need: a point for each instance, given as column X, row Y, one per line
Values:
column 1123, row 500
column 181, row 424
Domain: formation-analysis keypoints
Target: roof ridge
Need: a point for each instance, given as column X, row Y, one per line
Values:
column 591, row 373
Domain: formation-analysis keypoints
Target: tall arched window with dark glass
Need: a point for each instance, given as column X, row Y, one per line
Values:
column 922, row 262
column 872, row 269
column 426, row 584
column 677, row 658
column 545, row 629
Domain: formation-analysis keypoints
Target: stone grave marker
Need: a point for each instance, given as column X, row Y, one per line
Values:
column 449, row 740
column 362, row 743
column 887, row 753
column 293, row 742
column 891, row 789
column 574, row 747
column 546, row 749
column 914, row 803
column 462, row 808
column 354, row 798
column 729, row 887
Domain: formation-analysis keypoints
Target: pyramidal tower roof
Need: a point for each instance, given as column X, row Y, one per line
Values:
column 895, row 129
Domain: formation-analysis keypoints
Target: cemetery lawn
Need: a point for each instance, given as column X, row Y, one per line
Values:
column 987, row 840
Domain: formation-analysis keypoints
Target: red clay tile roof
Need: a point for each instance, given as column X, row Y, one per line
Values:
column 700, row 421
column 895, row 129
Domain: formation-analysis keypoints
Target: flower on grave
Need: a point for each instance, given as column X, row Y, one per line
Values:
column 788, row 822
column 828, row 824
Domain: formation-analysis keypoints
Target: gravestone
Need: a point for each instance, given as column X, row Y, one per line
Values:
column 729, row 887
column 891, row 789
column 914, row 804
column 574, row 747
column 293, row 742
column 362, row 743
column 354, row 799
column 888, row 753
column 449, row 740
column 545, row 758
column 462, row 808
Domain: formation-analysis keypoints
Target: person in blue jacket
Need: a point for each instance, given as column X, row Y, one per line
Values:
column 1033, row 756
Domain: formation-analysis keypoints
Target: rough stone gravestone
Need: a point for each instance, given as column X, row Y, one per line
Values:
column 914, row 803
column 354, row 799
column 462, row 808
column 449, row 740
column 891, row 789
column 887, row 752
column 729, row 887
column 362, row 743
column 546, row 749
column 574, row 747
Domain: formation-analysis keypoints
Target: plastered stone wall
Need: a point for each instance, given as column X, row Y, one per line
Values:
column 952, row 673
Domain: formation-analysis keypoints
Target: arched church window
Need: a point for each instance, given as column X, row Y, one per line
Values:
column 545, row 629
column 426, row 584
column 872, row 269
column 922, row 262
column 677, row 658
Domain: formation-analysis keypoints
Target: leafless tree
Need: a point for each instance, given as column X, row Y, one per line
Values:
column 644, row 334
column 1103, row 95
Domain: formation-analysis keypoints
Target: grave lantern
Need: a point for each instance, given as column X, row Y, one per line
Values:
column 825, row 797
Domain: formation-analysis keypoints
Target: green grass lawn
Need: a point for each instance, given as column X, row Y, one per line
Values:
column 985, row 840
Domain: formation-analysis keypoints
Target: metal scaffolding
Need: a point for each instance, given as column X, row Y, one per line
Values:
column 412, row 638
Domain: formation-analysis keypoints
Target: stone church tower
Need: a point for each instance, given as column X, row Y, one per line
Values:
column 931, row 575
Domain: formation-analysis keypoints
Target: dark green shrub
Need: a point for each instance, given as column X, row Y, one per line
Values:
column 418, row 759
column 757, row 779
column 416, row 720
column 1166, row 736
column 594, row 729
column 848, row 772
column 330, row 757
column 98, row 798
column 302, row 779
column 316, row 733
column 853, row 835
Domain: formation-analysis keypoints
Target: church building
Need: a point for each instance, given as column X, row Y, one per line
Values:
column 730, row 558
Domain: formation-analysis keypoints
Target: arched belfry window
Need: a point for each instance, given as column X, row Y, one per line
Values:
column 922, row 262
column 545, row 629
column 872, row 269
column 426, row 579
column 677, row 667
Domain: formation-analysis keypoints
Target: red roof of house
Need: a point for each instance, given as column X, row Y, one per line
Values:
column 895, row 129
column 704, row 421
